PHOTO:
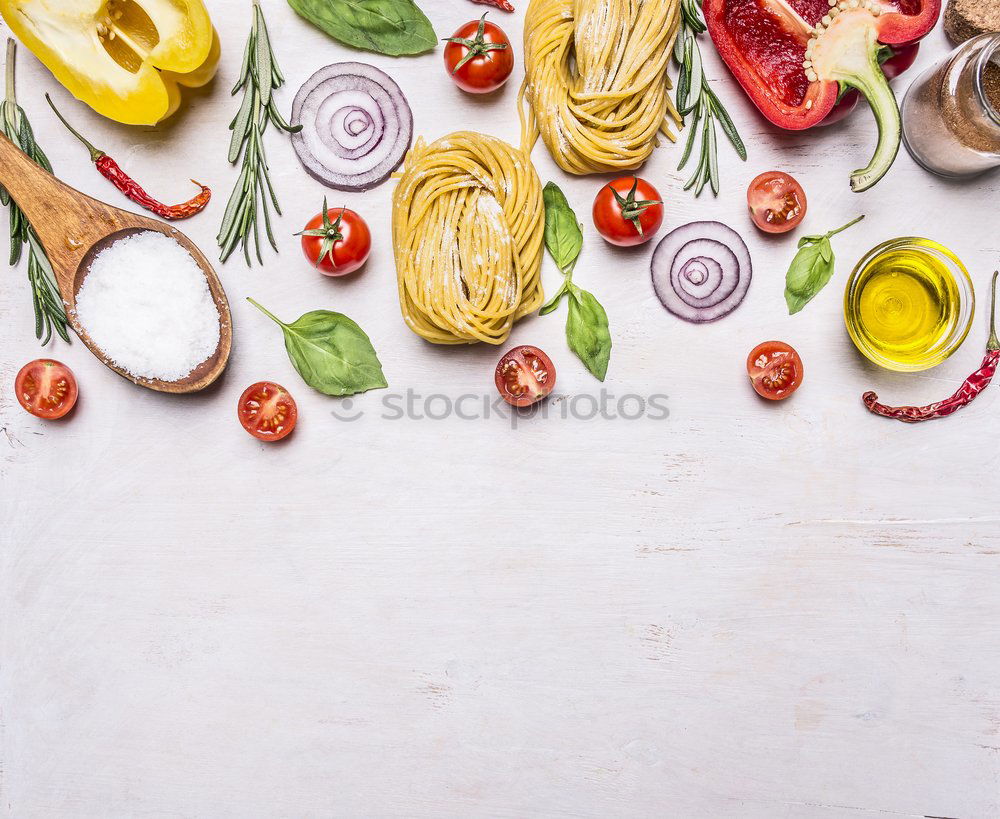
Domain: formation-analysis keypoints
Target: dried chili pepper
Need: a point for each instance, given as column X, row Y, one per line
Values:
column 503, row 5
column 111, row 171
column 973, row 385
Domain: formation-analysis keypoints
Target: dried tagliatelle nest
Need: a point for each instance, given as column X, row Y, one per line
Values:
column 467, row 231
column 596, row 82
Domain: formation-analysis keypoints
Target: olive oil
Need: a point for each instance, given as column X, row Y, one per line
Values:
column 904, row 304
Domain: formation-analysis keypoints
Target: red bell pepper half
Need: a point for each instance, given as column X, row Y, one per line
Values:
column 795, row 57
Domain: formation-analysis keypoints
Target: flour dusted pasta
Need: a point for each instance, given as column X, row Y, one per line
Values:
column 596, row 80
column 467, row 229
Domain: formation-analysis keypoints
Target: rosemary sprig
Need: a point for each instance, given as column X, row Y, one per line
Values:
column 50, row 314
column 695, row 99
column 259, row 77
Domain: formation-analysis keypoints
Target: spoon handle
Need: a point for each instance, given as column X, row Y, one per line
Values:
column 67, row 221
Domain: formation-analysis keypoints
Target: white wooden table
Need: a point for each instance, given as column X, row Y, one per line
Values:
column 740, row 610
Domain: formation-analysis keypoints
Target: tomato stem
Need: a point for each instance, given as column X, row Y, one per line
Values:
column 330, row 232
column 630, row 208
column 478, row 47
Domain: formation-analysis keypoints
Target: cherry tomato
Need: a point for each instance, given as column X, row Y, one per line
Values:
column 628, row 211
column 336, row 241
column 46, row 388
column 267, row 411
column 777, row 202
column 524, row 376
column 479, row 57
column 775, row 370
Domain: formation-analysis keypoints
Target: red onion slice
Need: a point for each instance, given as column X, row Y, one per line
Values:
column 701, row 271
column 356, row 126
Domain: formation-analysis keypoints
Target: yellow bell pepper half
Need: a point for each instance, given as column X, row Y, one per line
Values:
column 124, row 58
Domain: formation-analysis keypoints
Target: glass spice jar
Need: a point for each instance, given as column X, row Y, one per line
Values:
column 951, row 112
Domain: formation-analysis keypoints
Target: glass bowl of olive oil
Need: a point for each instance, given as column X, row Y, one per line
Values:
column 909, row 304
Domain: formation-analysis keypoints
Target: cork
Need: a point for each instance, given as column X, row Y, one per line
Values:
column 964, row 19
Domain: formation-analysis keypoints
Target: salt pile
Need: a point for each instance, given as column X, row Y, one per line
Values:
column 146, row 304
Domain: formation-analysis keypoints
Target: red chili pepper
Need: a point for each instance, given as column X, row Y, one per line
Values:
column 794, row 58
column 503, row 5
column 112, row 171
column 973, row 385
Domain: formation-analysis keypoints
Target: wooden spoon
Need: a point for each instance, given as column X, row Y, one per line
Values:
column 74, row 228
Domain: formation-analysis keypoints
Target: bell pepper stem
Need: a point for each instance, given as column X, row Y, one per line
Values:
column 847, row 51
column 864, row 73
column 876, row 90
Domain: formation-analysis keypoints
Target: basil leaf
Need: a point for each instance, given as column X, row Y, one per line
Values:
column 795, row 302
column 587, row 332
column 393, row 27
column 587, row 324
column 553, row 303
column 811, row 268
column 808, row 273
column 563, row 237
column 331, row 352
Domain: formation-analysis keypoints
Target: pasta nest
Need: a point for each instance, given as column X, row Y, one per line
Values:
column 596, row 80
column 467, row 229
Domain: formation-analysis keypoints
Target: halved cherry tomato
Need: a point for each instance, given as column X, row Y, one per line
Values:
column 46, row 388
column 775, row 370
column 337, row 241
column 524, row 376
column 777, row 202
column 479, row 57
column 267, row 411
column 628, row 211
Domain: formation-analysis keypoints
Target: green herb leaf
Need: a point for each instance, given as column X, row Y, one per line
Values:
column 553, row 303
column 795, row 302
column 393, row 27
column 587, row 324
column 563, row 237
column 248, row 202
column 331, row 352
column 587, row 332
column 698, row 105
column 811, row 269
column 241, row 126
column 49, row 311
column 808, row 273
column 263, row 60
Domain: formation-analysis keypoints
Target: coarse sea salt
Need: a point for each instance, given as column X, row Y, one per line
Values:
column 145, row 303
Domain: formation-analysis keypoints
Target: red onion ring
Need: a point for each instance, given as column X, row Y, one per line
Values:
column 701, row 271
column 356, row 126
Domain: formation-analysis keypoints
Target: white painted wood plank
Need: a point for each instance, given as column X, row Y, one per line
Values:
column 741, row 610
